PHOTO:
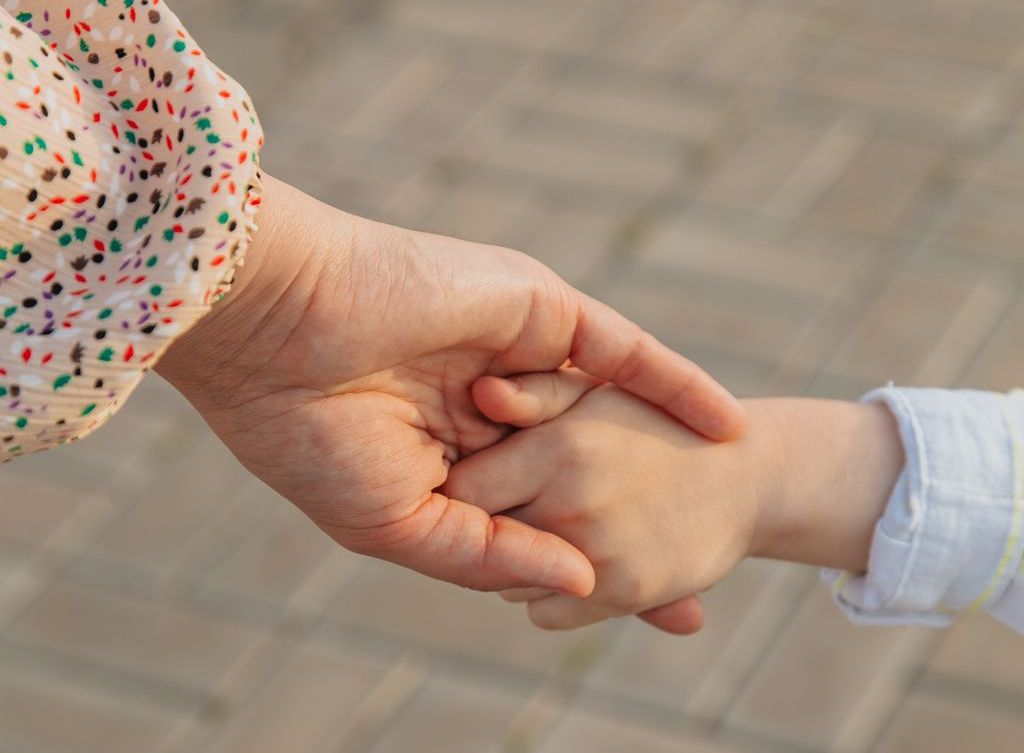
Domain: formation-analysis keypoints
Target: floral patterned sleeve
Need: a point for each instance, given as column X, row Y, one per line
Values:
column 129, row 181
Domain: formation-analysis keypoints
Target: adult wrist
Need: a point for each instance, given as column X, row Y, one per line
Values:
column 266, row 300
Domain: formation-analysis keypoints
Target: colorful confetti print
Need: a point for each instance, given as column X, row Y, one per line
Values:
column 129, row 182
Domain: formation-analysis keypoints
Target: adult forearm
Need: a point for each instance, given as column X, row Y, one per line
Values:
column 830, row 468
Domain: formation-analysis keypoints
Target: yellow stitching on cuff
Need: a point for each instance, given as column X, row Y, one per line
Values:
column 1017, row 393
column 840, row 584
column 1018, row 507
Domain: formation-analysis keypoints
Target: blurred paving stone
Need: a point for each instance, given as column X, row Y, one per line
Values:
column 999, row 14
column 761, row 47
column 820, row 168
column 516, row 92
column 956, row 350
column 795, row 695
column 412, row 87
column 757, row 331
column 487, row 216
column 680, row 37
column 927, row 725
column 580, row 731
column 203, row 482
column 692, row 676
column 364, row 177
column 11, row 558
column 1000, row 167
column 899, row 79
column 900, row 328
column 817, row 268
column 955, row 32
column 884, row 183
column 988, row 220
column 570, row 162
column 407, row 606
column 982, row 650
column 440, row 122
column 309, row 701
column 162, row 641
column 45, row 716
column 31, row 509
column 529, row 23
column 222, row 536
column 278, row 557
column 651, row 24
column 756, row 171
column 576, row 243
column 343, row 77
column 999, row 365
column 451, row 714
column 635, row 102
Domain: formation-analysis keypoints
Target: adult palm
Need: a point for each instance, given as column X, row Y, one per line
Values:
column 339, row 371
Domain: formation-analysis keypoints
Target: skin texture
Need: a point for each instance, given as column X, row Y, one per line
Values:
column 339, row 370
column 662, row 512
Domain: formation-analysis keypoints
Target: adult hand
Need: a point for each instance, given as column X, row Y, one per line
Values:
column 338, row 370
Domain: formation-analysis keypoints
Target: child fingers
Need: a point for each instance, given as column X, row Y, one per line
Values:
column 523, row 595
column 531, row 399
column 682, row 617
column 502, row 477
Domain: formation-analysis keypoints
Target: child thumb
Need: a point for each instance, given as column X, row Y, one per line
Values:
column 531, row 399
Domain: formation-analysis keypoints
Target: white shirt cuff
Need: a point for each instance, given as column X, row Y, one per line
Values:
column 950, row 540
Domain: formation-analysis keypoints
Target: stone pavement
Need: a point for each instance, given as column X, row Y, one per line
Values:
column 807, row 196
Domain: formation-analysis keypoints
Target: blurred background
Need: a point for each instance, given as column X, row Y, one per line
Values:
column 806, row 196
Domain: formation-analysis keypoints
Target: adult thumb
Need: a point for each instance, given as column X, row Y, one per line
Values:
column 460, row 543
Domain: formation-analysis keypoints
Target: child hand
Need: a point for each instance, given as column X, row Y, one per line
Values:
column 661, row 512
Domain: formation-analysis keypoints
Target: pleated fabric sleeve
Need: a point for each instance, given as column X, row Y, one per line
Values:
column 129, row 183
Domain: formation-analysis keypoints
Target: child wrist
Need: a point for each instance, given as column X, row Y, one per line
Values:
column 765, row 459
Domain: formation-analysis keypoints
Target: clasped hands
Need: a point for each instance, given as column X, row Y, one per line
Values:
column 357, row 369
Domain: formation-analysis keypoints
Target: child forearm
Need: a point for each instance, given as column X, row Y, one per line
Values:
column 827, row 469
